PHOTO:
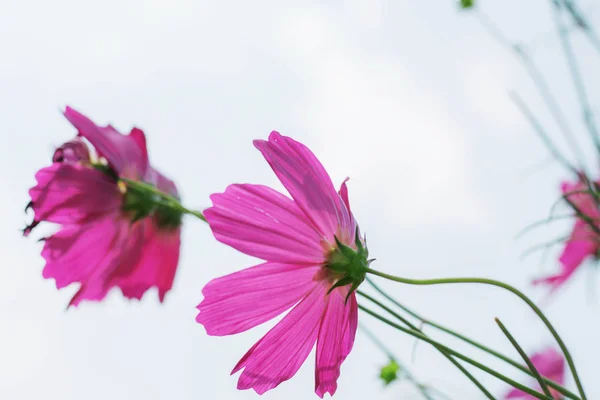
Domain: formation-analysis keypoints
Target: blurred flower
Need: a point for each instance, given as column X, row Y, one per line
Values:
column 551, row 365
column 110, row 235
column 314, row 256
column 584, row 241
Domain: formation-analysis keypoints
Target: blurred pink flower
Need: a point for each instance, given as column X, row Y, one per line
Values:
column 306, row 243
column 583, row 242
column 108, row 236
column 550, row 364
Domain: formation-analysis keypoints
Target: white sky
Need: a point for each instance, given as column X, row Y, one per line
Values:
column 407, row 98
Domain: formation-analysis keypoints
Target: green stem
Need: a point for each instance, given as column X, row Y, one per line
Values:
column 525, row 357
column 407, row 374
column 455, row 353
column 170, row 201
column 564, row 391
column 439, row 348
column 505, row 286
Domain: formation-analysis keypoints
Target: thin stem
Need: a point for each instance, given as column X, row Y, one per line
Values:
column 171, row 201
column 582, row 23
column 537, row 126
column 576, row 76
column 440, row 349
column 505, row 286
column 407, row 374
column 525, row 357
column 537, row 78
column 455, row 353
column 425, row 321
column 545, row 221
column 543, row 246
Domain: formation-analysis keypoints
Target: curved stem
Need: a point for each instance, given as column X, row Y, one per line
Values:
column 576, row 77
column 564, row 391
column 455, row 353
column 505, row 286
column 440, row 349
column 170, row 200
column 525, row 357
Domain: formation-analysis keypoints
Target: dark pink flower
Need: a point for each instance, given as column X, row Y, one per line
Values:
column 550, row 364
column 314, row 258
column 584, row 242
column 109, row 236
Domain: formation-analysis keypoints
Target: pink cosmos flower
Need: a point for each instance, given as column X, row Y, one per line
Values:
column 584, row 242
column 314, row 259
column 109, row 236
column 550, row 364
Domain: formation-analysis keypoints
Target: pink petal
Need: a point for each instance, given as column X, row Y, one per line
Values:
column 157, row 264
column 237, row 302
column 71, row 193
column 343, row 192
column 335, row 341
column 124, row 153
column 91, row 254
column 281, row 352
column 309, row 185
column 580, row 246
column 72, row 151
column 120, row 258
column 263, row 223
column 550, row 362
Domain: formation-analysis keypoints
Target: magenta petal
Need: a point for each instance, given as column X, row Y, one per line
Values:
column 309, row 184
column 71, row 193
column 237, row 302
column 580, row 246
column 343, row 192
column 550, row 362
column 121, row 258
column 157, row 264
column 280, row 353
column 335, row 341
column 264, row 223
column 72, row 151
column 88, row 254
column 124, row 153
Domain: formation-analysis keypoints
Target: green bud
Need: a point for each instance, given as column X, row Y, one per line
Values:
column 467, row 3
column 389, row 372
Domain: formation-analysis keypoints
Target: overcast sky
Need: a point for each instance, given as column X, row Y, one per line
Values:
column 408, row 98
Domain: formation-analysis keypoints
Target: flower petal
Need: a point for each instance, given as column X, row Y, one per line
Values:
column 124, row 153
column 72, row 193
column 157, row 263
column 237, row 302
column 72, row 151
column 580, row 246
column 550, row 362
column 121, row 258
column 335, row 341
column 264, row 223
column 280, row 353
column 309, row 185
column 91, row 254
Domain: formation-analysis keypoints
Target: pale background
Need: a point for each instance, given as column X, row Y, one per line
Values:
column 408, row 98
